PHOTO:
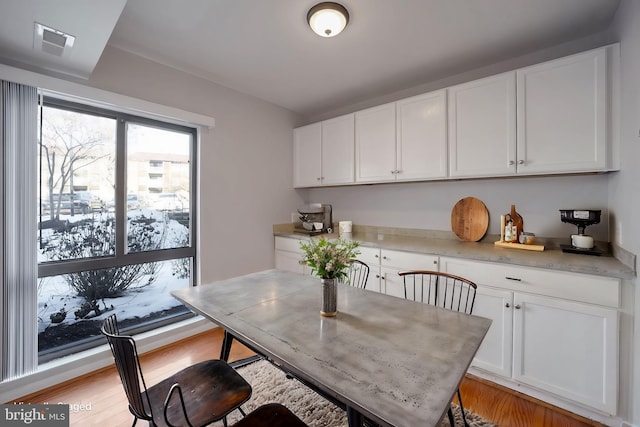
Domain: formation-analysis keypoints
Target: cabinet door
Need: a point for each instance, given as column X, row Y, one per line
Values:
column 567, row 348
column 482, row 127
column 393, row 262
column 338, row 150
column 307, row 152
column 421, row 137
column 391, row 283
column 289, row 261
column 562, row 114
column 495, row 353
column 371, row 257
column 376, row 144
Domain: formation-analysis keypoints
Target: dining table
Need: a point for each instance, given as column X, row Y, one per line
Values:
column 390, row 360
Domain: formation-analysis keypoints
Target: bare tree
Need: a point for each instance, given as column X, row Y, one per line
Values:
column 68, row 143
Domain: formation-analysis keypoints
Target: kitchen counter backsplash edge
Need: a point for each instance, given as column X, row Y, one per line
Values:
column 620, row 264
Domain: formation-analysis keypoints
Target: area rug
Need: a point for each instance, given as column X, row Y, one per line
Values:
column 271, row 385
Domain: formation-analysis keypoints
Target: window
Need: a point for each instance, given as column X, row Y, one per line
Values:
column 110, row 238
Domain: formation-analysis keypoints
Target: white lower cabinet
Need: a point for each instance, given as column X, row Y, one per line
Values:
column 392, row 262
column 553, row 331
column 288, row 255
column 544, row 337
column 567, row 348
column 495, row 353
column 371, row 257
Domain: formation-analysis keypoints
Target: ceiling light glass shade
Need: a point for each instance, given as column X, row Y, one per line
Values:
column 328, row 19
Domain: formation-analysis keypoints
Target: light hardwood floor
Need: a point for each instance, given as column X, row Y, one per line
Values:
column 98, row 398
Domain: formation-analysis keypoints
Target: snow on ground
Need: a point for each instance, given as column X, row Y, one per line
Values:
column 54, row 294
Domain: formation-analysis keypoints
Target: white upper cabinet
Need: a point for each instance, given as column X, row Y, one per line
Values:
column 563, row 114
column 403, row 141
column 338, row 150
column 376, row 144
column 421, row 137
column 557, row 117
column 324, row 153
column 307, row 155
column 482, row 127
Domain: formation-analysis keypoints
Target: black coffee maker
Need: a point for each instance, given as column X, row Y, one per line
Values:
column 581, row 243
column 315, row 219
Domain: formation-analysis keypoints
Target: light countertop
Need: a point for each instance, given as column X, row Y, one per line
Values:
column 446, row 244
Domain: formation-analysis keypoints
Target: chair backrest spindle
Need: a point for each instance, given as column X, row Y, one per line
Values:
column 440, row 289
column 358, row 274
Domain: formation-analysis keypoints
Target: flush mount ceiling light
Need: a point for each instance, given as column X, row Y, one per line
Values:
column 328, row 19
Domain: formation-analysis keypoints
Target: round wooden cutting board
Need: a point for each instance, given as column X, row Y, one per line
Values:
column 470, row 219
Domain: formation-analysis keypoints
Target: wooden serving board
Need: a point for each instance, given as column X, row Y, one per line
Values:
column 513, row 245
column 470, row 219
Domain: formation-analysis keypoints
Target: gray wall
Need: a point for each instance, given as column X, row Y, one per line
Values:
column 624, row 187
column 428, row 204
column 245, row 161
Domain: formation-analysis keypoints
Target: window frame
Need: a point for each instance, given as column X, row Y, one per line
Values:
column 122, row 257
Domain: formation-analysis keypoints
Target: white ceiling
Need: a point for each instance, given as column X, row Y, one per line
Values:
column 90, row 21
column 265, row 48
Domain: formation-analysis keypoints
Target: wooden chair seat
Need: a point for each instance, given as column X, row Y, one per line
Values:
column 212, row 389
column 271, row 415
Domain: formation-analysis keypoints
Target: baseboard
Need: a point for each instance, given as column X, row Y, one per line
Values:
column 572, row 409
column 70, row 367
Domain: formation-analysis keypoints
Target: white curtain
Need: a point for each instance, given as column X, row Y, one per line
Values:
column 18, row 300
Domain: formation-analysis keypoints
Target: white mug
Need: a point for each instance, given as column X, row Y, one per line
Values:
column 582, row 241
column 345, row 227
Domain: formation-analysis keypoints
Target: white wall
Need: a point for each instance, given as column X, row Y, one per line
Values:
column 428, row 204
column 624, row 187
column 245, row 161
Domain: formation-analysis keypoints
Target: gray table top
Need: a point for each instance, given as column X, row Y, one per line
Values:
column 395, row 361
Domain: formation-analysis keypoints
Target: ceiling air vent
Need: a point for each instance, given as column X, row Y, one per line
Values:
column 51, row 40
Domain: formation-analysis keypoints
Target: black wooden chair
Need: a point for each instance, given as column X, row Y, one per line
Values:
column 358, row 274
column 443, row 290
column 195, row 396
column 271, row 415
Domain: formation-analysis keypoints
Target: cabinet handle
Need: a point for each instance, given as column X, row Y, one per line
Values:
column 518, row 307
column 377, row 276
column 376, row 256
column 384, row 257
column 507, row 305
column 398, row 171
column 394, row 172
column 513, row 278
column 435, row 261
column 511, row 163
column 521, row 162
column 318, row 178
